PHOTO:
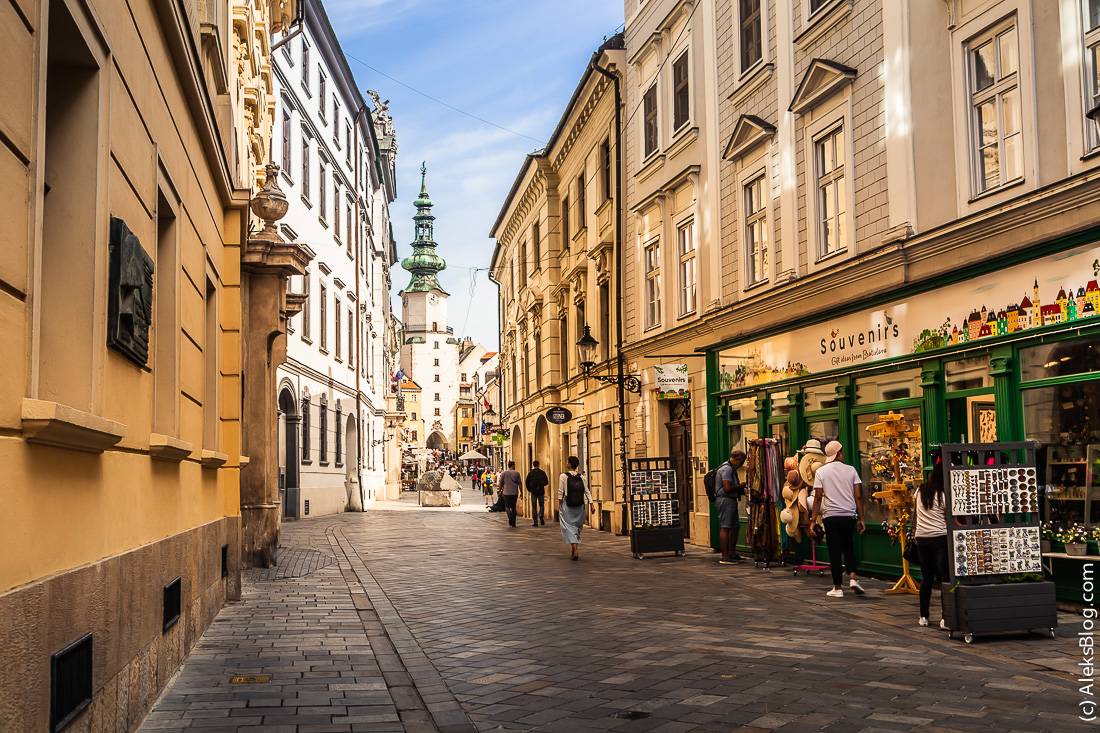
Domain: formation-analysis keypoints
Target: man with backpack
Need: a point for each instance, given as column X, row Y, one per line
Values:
column 536, row 483
column 574, row 497
column 727, row 490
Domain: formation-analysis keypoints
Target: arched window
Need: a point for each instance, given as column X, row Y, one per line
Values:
column 305, row 428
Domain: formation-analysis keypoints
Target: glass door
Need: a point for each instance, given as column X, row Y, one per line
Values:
column 971, row 412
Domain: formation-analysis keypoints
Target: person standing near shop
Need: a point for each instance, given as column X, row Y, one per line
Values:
column 838, row 500
column 931, row 538
column 509, row 483
column 536, row 483
column 727, row 489
column 574, row 498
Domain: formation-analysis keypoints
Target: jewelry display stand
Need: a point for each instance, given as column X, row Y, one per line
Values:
column 654, row 507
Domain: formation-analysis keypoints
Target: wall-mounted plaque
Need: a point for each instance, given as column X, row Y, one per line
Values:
column 129, row 294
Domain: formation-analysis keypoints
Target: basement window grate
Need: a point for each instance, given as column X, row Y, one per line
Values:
column 225, row 561
column 632, row 715
column 173, row 598
column 70, row 682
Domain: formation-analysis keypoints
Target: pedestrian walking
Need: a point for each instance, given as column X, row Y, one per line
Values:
column 487, row 484
column 727, row 490
column 838, row 500
column 931, row 538
column 509, row 483
column 573, row 497
column 536, row 483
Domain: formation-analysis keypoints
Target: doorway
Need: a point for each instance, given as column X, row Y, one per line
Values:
column 288, row 454
column 679, row 448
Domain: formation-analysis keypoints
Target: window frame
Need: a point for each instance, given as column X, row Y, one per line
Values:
column 756, row 174
column 306, row 309
column 337, row 309
column 651, row 275
column 681, row 124
column 740, row 23
column 605, row 169
column 306, row 144
column 650, row 95
column 685, row 258
column 322, row 191
column 536, row 249
column 323, row 310
column 994, row 92
column 825, row 181
column 565, row 222
column 322, row 85
column 305, row 67
column 582, row 217
column 286, row 142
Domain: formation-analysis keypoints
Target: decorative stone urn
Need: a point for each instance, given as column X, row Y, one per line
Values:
column 270, row 203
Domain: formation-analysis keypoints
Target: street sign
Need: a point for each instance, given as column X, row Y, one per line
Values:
column 558, row 415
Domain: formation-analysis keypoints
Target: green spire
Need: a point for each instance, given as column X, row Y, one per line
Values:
column 424, row 263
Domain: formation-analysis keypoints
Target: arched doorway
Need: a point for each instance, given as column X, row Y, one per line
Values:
column 542, row 443
column 351, row 466
column 435, row 442
column 288, row 453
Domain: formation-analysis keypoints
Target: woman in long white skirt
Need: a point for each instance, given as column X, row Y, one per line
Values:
column 573, row 500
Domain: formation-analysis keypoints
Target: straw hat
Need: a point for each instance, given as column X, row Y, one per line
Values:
column 813, row 445
column 809, row 464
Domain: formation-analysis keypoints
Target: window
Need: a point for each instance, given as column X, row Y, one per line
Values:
column 321, row 79
column 521, row 259
column 465, row 431
column 414, row 415
column 435, row 362
column 605, row 168
column 414, row 433
column 210, row 356
column 653, row 283
column 351, row 339
column 565, row 222
column 681, row 99
column 347, row 142
column 536, row 248
column 336, row 120
column 581, row 214
column 465, row 412
column 1092, row 68
column 437, row 397
column 305, row 429
column 305, row 66
column 816, row 5
column 756, row 231
column 996, row 139
column 324, row 316
column 435, row 325
column 305, row 307
column 435, row 345
column 336, row 424
column 435, row 377
column 832, row 196
column 752, row 47
column 305, row 166
column 335, row 208
column 649, row 122
column 463, row 377
column 323, row 431
column 347, row 218
column 685, row 245
column 286, row 142
column 437, row 412
column 337, row 333
column 321, row 190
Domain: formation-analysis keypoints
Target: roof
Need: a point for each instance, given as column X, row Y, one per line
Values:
column 488, row 355
column 410, row 384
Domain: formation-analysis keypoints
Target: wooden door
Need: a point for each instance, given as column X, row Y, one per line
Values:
column 679, row 447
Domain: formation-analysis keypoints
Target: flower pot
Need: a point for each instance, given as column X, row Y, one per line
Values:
column 1044, row 545
column 1076, row 548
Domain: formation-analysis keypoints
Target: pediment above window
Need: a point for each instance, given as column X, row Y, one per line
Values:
column 821, row 80
column 749, row 132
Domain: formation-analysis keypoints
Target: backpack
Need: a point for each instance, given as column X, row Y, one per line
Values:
column 574, row 490
column 709, row 479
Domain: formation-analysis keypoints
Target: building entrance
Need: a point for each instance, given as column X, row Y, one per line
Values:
column 679, row 447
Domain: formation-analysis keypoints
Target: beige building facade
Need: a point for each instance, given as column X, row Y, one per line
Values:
column 130, row 143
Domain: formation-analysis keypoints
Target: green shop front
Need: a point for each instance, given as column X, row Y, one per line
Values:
column 995, row 355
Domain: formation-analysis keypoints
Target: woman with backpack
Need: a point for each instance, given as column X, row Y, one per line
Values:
column 573, row 497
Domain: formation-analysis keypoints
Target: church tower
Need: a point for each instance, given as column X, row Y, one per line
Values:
column 429, row 355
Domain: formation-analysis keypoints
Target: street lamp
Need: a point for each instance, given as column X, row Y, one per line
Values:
column 385, row 438
column 586, row 347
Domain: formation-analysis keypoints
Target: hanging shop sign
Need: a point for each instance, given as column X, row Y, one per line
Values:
column 1057, row 289
column 671, row 381
column 558, row 415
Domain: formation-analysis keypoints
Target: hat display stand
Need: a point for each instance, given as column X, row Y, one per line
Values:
column 892, row 430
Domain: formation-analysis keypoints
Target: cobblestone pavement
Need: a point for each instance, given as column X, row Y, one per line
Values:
column 453, row 621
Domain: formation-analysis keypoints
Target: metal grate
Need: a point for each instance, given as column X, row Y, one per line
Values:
column 70, row 682
column 172, row 602
column 225, row 560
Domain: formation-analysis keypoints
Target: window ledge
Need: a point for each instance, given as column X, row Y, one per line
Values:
column 213, row 459
column 306, row 201
column 684, row 138
column 1095, row 152
column 831, row 256
column 999, row 189
column 650, row 166
column 821, row 21
column 339, row 464
column 579, row 234
column 323, row 221
column 52, row 423
column 750, row 81
column 287, row 178
column 168, row 448
column 323, row 463
column 307, row 462
column 323, row 350
column 307, row 339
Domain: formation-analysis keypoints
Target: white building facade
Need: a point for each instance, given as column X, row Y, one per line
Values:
column 337, row 157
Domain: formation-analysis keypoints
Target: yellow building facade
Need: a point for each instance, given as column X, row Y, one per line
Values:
column 124, row 218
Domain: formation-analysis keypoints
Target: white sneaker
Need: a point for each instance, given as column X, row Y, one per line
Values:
column 854, row 585
column 835, row 593
column 924, row 621
column 943, row 625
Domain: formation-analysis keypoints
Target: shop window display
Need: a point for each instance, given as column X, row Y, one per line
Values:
column 781, row 434
column 819, row 397
column 1060, row 359
column 875, row 460
column 902, row 385
column 740, row 435
column 1065, row 418
column 824, row 430
column 780, row 403
column 972, row 373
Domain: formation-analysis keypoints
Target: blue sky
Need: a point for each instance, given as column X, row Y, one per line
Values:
column 512, row 63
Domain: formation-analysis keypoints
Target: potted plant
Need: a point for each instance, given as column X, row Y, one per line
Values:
column 1046, row 534
column 1075, row 539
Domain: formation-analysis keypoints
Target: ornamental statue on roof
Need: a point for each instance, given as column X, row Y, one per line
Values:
column 424, row 263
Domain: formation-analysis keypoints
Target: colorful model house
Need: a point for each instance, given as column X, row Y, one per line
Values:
column 973, row 325
column 1002, row 323
column 1026, row 313
column 985, row 331
column 1092, row 295
column 1013, row 315
column 1049, row 314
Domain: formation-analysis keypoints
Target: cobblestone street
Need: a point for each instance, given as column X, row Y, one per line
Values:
column 424, row 620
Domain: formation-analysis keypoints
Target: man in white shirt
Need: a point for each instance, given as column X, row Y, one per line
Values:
column 839, row 502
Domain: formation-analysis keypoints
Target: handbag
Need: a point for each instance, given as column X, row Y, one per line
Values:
column 911, row 553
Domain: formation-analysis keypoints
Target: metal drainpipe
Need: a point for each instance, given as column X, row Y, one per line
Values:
column 500, row 382
column 360, row 432
column 620, row 358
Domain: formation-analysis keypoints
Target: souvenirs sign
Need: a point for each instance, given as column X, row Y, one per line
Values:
column 671, row 381
column 1057, row 289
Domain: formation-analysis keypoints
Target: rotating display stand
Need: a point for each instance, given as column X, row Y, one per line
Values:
column 991, row 492
column 654, row 507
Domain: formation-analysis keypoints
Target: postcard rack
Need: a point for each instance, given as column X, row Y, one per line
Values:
column 654, row 503
column 991, row 492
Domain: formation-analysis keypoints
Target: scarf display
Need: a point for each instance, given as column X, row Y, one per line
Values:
column 765, row 494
